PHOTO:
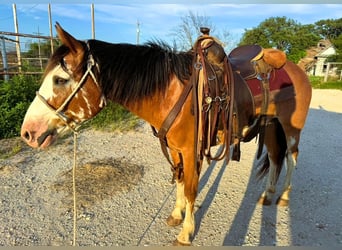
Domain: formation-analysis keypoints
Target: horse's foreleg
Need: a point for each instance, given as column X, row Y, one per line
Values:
column 188, row 229
column 190, row 180
column 176, row 216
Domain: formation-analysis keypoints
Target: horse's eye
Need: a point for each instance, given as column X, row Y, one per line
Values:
column 59, row 81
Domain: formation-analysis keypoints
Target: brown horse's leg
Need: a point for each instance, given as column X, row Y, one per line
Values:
column 292, row 136
column 190, row 180
column 292, row 115
column 176, row 216
column 276, row 147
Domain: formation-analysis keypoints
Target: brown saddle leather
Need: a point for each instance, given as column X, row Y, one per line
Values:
column 241, row 58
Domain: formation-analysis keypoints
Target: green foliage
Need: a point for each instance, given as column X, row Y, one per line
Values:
column 42, row 48
column 338, row 46
column 17, row 94
column 284, row 34
column 114, row 117
column 15, row 97
column 329, row 28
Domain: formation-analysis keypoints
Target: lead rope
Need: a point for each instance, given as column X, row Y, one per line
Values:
column 59, row 113
column 74, row 190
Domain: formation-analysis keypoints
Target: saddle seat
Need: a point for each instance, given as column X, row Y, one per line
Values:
column 241, row 58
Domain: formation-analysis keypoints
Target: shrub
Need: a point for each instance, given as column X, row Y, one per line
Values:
column 15, row 97
column 17, row 94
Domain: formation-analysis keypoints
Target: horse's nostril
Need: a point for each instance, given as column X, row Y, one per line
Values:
column 27, row 136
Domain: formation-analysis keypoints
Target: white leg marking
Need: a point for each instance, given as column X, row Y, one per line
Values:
column 291, row 164
column 180, row 202
column 188, row 224
column 271, row 182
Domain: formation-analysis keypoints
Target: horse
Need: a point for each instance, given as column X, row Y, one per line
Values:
column 148, row 80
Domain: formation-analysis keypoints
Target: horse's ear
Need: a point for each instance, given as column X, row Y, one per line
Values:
column 68, row 40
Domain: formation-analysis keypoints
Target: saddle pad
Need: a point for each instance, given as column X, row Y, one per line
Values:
column 279, row 79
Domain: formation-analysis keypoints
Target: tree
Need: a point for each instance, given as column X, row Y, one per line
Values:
column 329, row 28
column 43, row 47
column 337, row 42
column 187, row 32
column 284, row 34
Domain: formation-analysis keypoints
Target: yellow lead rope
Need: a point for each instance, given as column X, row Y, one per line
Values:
column 74, row 189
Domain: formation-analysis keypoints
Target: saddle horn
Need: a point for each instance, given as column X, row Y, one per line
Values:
column 205, row 30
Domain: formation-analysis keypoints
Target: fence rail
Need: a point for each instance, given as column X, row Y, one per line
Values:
column 30, row 61
column 333, row 71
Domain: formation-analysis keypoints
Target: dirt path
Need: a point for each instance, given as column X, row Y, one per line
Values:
column 124, row 195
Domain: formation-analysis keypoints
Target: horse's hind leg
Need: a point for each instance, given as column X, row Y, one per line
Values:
column 276, row 148
column 292, row 139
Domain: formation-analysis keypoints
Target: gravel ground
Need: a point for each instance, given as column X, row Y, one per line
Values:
column 124, row 195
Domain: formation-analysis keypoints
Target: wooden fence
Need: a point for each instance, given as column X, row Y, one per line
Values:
column 15, row 58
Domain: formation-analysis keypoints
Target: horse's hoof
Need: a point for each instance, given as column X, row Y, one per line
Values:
column 172, row 222
column 264, row 201
column 282, row 202
column 182, row 244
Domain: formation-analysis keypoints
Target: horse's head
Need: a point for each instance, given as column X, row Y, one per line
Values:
column 69, row 93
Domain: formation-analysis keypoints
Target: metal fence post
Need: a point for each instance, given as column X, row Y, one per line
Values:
column 4, row 58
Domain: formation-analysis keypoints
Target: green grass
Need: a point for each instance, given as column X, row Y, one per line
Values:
column 317, row 83
column 114, row 118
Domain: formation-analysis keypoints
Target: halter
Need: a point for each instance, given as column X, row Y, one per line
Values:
column 59, row 112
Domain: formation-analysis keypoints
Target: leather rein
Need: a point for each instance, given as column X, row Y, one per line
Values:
column 208, row 108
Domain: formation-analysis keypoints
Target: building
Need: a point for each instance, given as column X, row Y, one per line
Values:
column 315, row 62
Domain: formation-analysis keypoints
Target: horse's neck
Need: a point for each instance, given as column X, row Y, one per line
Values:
column 156, row 108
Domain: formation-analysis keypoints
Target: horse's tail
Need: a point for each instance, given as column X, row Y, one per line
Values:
column 281, row 141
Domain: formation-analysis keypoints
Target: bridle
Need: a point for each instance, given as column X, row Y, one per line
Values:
column 72, row 124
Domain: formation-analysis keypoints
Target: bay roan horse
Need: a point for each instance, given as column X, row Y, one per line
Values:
column 149, row 80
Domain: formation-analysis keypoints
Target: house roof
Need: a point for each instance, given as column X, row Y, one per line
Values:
column 323, row 49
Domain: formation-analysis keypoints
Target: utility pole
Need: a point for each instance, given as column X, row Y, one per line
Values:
column 17, row 44
column 138, row 32
column 50, row 27
column 92, row 22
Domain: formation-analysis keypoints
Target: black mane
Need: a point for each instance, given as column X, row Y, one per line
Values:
column 129, row 73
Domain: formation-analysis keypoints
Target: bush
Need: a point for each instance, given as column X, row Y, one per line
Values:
column 17, row 94
column 15, row 98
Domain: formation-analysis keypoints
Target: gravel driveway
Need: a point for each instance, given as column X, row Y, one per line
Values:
column 124, row 195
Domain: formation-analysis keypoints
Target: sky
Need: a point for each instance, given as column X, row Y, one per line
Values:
column 116, row 21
